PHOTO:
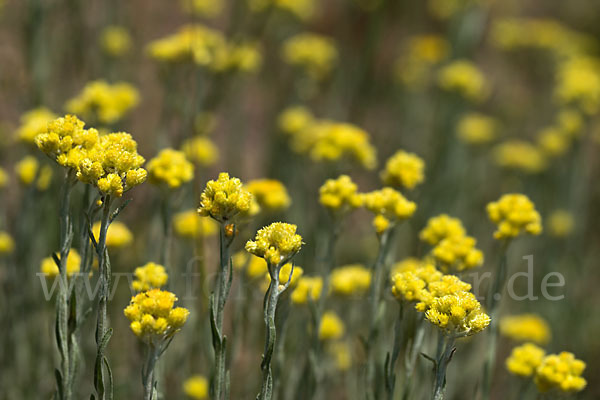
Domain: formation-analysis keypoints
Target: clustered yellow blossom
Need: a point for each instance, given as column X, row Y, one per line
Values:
column 340, row 195
column 28, row 171
column 411, row 282
column 353, row 279
column 201, row 150
column 407, row 264
column 153, row 315
column 524, row 360
column 203, row 8
column 149, row 276
column 295, row 119
column 314, row 53
column 441, row 227
column 526, row 328
column 188, row 224
column 7, row 244
column 196, row 387
column 423, row 52
column 117, row 236
column 562, row 372
column 552, row 142
column 301, row 9
column 255, row 267
column 560, row 223
column 403, row 169
column 458, row 314
column 519, row 155
column 276, row 243
column 578, row 83
column 49, row 268
column 3, row 178
column 465, row 78
column 224, row 198
column 457, row 253
column 308, row 287
column 270, row 194
column 514, row 214
column 107, row 103
column 171, row 168
column 476, row 128
column 115, row 40
column 331, row 327
column 389, row 207
column 34, row 122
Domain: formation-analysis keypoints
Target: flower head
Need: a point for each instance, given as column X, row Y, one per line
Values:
column 307, row 287
column 117, row 235
column 519, row 155
column 301, row 9
column 295, row 119
column 29, row 172
column 171, row 168
column 331, row 327
column 286, row 274
column 441, row 227
column 457, row 253
column 525, row 328
column 115, row 40
column 276, row 243
column 389, row 204
column 457, row 314
column 316, row 54
column 562, row 372
column 3, row 178
column 49, row 268
column 270, row 194
column 255, row 267
column 203, row 8
column 354, row 279
column 524, row 360
column 465, row 78
column 7, row 244
column 34, row 122
column 188, row 224
column 224, row 198
column 149, row 276
column 201, row 150
column 196, row 387
column 334, row 141
column 514, row 214
column 403, row 169
column 561, row 223
column 340, row 195
column 104, row 102
column 476, row 129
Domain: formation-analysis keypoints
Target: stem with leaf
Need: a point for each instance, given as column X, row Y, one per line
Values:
column 444, row 355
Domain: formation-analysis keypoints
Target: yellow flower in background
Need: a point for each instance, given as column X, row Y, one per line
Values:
column 224, row 198
column 332, row 327
column 336, row 141
column 276, row 243
column 445, row 9
column 307, row 287
column 301, row 9
column 238, row 57
column 28, row 170
column 457, row 253
column 423, row 52
column 342, row 354
column 203, row 8
column 441, row 227
column 254, row 266
column 196, row 387
column 570, row 122
column 519, row 155
column 407, row 264
column 117, row 236
column 201, row 150
column 353, row 279
column 526, row 328
column 476, row 129
column 153, row 315
column 295, row 119
column 285, row 275
column 458, row 314
column 149, row 276
column 340, row 195
column 3, row 178
column 170, row 167
column 553, row 142
column 562, row 372
column 34, row 122
column 7, row 244
column 49, row 268
column 524, row 360
column 465, row 78
column 314, row 53
column 560, row 223
column 270, row 194
column 389, row 204
column 188, row 224
column 515, row 215
column 403, row 169
column 578, row 83
column 104, row 102
column 115, row 40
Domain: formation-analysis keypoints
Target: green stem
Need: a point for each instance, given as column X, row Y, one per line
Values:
column 148, row 378
column 270, row 306
column 166, row 222
column 390, row 375
column 445, row 351
column 415, row 349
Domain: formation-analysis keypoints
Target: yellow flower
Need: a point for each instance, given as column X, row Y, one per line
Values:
column 578, row 83
column 149, row 276
column 104, row 102
column 196, row 387
column 49, row 268
column 284, row 277
column 407, row 264
column 270, row 194
column 403, row 169
column 295, row 119
column 153, row 315
column 34, row 122
column 7, row 244
column 562, row 372
column 390, row 204
column 117, row 236
column 476, row 129
column 412, row 283
column 331, row 327
column 224, row 198
column 188, row 224
column 201, row 150
column 276, row 243
column 3, row 178
column 255, row 267
column 457, row 253
column 342, row 355
column 524, row 360
column 170, row 167
column 424, row 51
column 340, row 195
column 569, row 122
column 465, row 78
column 526, row 328
column 441, row 227
column 519, row 155
column 553, row 142
column 444, row 9
column 354, row 279
column 560, row 223
column 316, row 54
column 203, row 8
column 28, row 169
column 514, row 214
column 301, row 9
column 307, row 286
column 240, row 57
column 115, row 40
column 457, row 314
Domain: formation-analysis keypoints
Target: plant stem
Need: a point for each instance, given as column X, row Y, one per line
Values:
column 445, row 350
column 270, row 306
column 148, row 373
column 390, row 375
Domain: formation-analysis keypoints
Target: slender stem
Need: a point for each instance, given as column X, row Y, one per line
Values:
column 411, row 362
column 266, row 391
column 445, row 350
column 148, row 378
column 390, row 376
column 166, row 222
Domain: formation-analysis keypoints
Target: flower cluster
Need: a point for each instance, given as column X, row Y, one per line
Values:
column 224, row 198
column 441, row 227
column 188, row 224
column 465, row 78
column 170, row 167
column 476, row 129
column 411, row 282
column 423, row 52
column 3, row 178
column 153, row 315
column 519, row 155
column 526, row 328
column 203, row 8
column 350, row 280
column 457, row 253
column 514, row 214
column 295, row 119
column 118, row 235
column 115, row 41
column 561, row 223
column 524, row 360
column 458, row 314
column 149, row 276
column 340, row 195
column 403, row 169
column 255, row 267
column 331, row 327
column 33, row 123
column 389, row 207
column 562, row 372
column 307, row 287
column 49, row 268
column 196, row 387
column 7, row 244
column 201, row 150
column 29, row 171
column 301, row 9
column 316, row 54
column 276, row 243
column 578, row 83
column 104, row 102
column 270, row 194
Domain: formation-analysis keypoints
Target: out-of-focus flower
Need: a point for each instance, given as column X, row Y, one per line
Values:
column 423, row 52
column 270, row 194
column 524, row 360
column 515, row 215
column 104, row 102
column 196, row 387
column 3, row 178
column 188, row 224
column 316, row 54
column 191, row 43
column 553, row 142
column 407, row 264
column 255, row 267
column 149, row 276
column 562, row 372
column 295, row 119
column 342, row 354
column 203, row 8
column 276, row 243
column 457, row 253
column 403, row 169
column 332, row 327
column 238, row 57
column 525, row 328
column 441, row 227
column 353, row 279
column 560, row 223
column 7, row 244
column 301, row 9
column 117, row 236
column 445, row 9
column 285, row 274
column 578, row 83
column 389, row 204
column 340, row 195
column 476, row 129
column 465, row 78
column 115, row 40
column 49, row 268
column 28, row 170
column 171, row 168
column 519, row 155
column 201, row 150
column 307, row 287
column 224, row 198
column 34, row 122
column 570, row 122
